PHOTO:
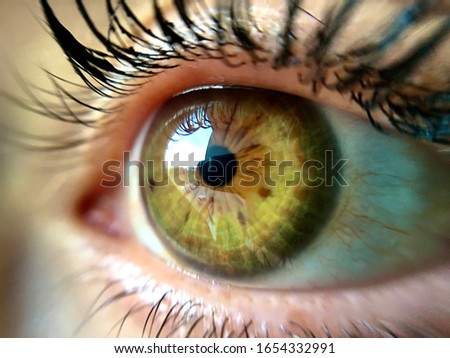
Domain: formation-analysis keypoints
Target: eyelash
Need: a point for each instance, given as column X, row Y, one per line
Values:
column 423, row 116
column 185, row 314
column 181, row 315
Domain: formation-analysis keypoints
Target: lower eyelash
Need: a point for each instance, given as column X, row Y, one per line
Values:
column 184, row 317
column 136, row 303
column 177, row 316
column 163, row 314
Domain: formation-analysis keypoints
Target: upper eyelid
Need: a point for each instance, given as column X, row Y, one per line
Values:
column 101, row 74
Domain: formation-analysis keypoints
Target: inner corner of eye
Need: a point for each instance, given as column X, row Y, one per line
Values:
column 234, row 180
column 102, row 209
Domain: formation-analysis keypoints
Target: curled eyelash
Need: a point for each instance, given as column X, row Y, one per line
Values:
column 130, row 59
column 192, row 121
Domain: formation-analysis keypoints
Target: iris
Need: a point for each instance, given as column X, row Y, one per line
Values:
column 233, row 178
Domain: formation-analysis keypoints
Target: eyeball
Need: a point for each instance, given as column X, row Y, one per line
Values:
column 234, row 178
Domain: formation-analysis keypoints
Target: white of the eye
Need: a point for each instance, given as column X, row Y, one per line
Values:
column 138, row 217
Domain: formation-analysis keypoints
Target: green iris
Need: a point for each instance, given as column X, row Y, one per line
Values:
column 237, row 178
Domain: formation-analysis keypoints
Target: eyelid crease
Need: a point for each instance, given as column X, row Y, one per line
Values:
column 109, row 73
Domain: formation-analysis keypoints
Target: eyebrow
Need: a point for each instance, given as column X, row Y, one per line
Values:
column 424, row 116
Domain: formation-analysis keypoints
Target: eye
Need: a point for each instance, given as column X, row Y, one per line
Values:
column 371, row 211
column 299, row 218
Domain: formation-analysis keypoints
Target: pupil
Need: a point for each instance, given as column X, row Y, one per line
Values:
column 219, row 166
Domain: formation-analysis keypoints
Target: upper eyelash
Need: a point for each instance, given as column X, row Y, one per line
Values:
column 104, row 74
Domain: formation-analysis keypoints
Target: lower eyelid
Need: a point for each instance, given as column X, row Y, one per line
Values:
column 370, row 311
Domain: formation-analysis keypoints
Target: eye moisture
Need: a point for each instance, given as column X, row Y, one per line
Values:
column 237, row 178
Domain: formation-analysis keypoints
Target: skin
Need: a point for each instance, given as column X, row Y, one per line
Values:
column 64, row 238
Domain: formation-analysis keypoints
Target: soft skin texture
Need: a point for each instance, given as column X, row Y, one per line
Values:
column 64, row 238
